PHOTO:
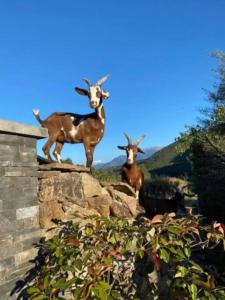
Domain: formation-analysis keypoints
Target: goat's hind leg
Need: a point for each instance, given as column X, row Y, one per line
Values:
column 57, row 151
column 47, row 147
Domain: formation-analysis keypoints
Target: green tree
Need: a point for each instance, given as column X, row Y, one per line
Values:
column 207, row 144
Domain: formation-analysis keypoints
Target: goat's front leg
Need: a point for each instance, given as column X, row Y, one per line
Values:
column 89, row 150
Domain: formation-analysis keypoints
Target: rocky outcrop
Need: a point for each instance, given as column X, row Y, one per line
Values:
column 67, row 192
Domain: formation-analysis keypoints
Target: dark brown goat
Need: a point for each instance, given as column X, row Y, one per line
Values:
column 74, row 128
column 154, row 206
column 131, row 173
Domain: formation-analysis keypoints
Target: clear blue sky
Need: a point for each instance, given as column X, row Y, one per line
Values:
column 156, row 52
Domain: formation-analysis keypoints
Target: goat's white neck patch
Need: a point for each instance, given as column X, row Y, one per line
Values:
column 100, row 114
column 130, row 156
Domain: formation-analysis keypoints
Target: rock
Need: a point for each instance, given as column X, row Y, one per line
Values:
column 46, row 174
column 76, row 210
column 124, row 188
column 117, row 209
column 49, row 211
column 140, row 210
column 67, row 200
column 91, row 186
column 128, row 201
column 100, row 204
column 66, row 194
column 63, row 167
column 64, row 184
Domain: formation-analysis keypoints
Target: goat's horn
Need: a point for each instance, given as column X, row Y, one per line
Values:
column 102, row 80
column 89, row 83
column 139, row 140
column 128, row 139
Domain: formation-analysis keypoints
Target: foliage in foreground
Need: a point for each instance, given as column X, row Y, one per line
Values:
column 114, row 258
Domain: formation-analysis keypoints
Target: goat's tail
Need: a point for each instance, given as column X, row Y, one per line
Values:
column 36, row 113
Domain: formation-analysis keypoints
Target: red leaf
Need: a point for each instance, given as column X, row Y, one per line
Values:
column 73, row 242
column 156, row 260
column 115, row 254
column 220, row 227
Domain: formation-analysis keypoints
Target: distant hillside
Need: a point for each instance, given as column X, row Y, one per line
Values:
column 119, row 160
column 167, row 161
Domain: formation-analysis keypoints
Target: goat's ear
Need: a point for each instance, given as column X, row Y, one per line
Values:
column 82, row 92
column 140, row 150
column 122, row 147
column 105, row 95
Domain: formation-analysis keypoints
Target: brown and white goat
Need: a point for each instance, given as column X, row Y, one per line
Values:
column 75, row 128
column 131, row 173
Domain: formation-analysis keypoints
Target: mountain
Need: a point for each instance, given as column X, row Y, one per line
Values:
column 119, row 160
column 165, row 162
column 168, row 162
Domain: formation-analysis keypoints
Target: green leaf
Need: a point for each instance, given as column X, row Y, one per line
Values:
column 174, row 230
column 77, row 293
column 58, row 252
column 112, row 240
column 131, row 245
column 141, row 253
column 78, row 264
column 39, row 297
column 196, row 266
column 104, row 287
column 46, row 281
column 164, row 255
column 183, row 271
column 193, row 290
column 173, row 250
column 89, row 231
column 108, row 261
column 180, row 253
column 70, row 282
column 86, row 257
column 60, row 283
column 32, row 290
column 150, row 234
column 116, row 294
column 187, row 251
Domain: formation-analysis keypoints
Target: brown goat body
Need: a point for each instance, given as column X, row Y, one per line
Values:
column 75, row 128
column 130, row 172
column 133, row 175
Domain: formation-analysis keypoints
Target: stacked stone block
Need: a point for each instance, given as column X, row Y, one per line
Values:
column 19, row 222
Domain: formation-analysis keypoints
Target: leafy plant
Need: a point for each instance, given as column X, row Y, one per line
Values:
column 119, row 259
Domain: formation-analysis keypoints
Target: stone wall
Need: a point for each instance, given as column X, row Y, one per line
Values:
column 32, row 197
column 68, row 192
column 19, row 211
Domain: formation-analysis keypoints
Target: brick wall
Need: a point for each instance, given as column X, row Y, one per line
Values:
column 19, row 223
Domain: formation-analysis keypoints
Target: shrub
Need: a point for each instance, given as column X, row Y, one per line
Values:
column 120, row 259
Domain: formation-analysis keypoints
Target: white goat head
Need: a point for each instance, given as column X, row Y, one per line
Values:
column 95, row 92
column 132, row 149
